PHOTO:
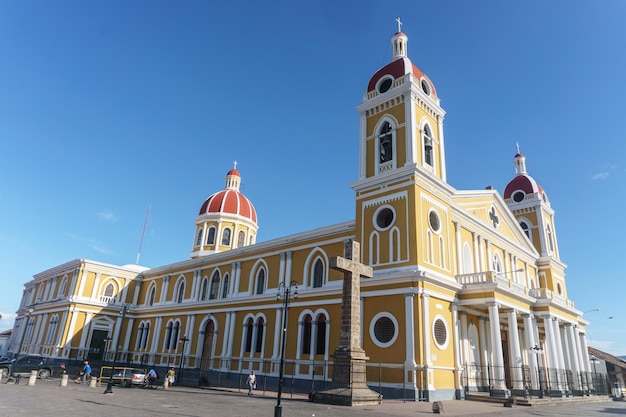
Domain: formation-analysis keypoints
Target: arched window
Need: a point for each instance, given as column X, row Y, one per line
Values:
column 550, row 240
column 108, row 290
column 139, row 336
column 249, row 329
column 210, row 236
column 226, row 237
column 199, row 238
column 318, row 274
column 320, row 336
column 241, row 238
column 52, row 328
column 215, row 285
column 204, row 289
column 174, row 336
column 146, row 334
column 385, row 143
column 260, row 281
column 497, row 263
column 62, row 288
column 152, row 295
column 428, row 146
column 168, row 335
column 225, row 286
column 180, row 294
column 307, row 325
column 260, row 325
column 526, row 228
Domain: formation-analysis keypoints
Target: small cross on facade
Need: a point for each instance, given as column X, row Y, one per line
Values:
column 494, row 217
column 399, row 25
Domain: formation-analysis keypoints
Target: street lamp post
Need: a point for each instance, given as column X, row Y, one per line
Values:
column 184, row 341
column 109, row 389
column 284, row 292
column 25, row 325
column 537, row 349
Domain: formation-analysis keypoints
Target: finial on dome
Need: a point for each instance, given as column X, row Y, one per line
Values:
column 520, row 161
column 235, row 165
column 399, row 41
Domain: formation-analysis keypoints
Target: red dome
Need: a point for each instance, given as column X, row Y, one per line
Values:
column 234, row 172
column 229, row 201
column 398, row 68
column 522, row 182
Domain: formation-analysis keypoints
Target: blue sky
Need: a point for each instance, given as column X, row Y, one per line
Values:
column 107, row 108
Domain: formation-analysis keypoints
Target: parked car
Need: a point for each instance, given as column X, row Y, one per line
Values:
column 132, row 376
column 45, row 367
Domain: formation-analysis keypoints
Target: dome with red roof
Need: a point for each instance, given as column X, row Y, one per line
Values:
column 400, row 66
column 522, row 185
column 229, row 200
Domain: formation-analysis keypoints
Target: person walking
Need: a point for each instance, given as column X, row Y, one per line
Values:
column 85, row 373
column 251, row 381
column 171, row 376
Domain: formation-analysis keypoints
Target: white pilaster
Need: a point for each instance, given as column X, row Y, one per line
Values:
column 484, row 351
column 496, row 341
column 430, row 384
column 529, row 332
column 515, row 351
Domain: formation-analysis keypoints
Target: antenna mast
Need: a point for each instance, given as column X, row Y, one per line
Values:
column 145, row 223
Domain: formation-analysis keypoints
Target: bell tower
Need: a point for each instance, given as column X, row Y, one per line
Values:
column 401, row 159
column 528, row 201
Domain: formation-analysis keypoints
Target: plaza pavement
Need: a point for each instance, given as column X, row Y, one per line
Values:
column 48, row 398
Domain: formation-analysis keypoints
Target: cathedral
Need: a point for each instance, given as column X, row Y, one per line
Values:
column 468, row 290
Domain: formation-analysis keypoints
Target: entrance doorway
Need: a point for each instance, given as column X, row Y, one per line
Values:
column 97, row 345
column 207, row 346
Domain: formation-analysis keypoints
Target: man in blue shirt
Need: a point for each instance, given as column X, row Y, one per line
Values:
column 85, row 373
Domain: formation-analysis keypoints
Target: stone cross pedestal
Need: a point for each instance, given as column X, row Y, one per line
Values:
column 349, row 373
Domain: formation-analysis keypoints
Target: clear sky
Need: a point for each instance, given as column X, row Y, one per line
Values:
column 108, row 107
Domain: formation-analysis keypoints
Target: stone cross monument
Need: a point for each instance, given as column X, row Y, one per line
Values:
column 349, row 372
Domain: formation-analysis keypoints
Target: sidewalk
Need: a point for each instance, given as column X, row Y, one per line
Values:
column 47, row 398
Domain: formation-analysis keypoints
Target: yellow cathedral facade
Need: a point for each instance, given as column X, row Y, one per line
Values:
column 468, row 291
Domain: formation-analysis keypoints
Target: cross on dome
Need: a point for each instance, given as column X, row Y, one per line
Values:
column 399, row 24
column 235, row 164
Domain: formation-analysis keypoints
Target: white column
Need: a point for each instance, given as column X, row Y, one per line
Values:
column 584, row 351
column 496, row 341
column 484, row 352
column 363, row 146
column 573, row 352
column 557, row 333
column 277, row 328
column 442, row 150
column 550, row 345
column 410, row 114
column 156, row 334
column 457, row 347
column 430, row 385
column 409, row 330
column 463, row 341
column 94, row 290
column 529, row 332
column 459, row 250
column 515, row 351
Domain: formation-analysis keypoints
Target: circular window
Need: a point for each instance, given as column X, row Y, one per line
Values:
column 385, row 85
column 425, row 87
column 384, row 329
column 384, row 218
column 433, row 221
column 440, row 332
column 518, row 196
